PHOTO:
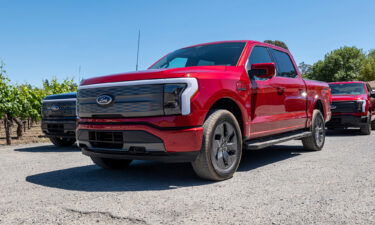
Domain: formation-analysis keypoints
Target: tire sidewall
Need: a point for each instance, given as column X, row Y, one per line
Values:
column 317, row 114
column 228, row 117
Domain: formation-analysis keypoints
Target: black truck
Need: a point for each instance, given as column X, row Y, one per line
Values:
column 59, row 118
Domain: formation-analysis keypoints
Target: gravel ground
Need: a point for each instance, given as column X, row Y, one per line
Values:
column 43, row 184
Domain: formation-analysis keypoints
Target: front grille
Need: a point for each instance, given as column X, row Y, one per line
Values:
column 346, row 106
column 65, row 109
column 106, row 139
column 128, row 101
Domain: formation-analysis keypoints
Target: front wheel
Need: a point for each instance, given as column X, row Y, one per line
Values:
column 221, row 150
column 112, row 164
column 366, row 129
column 315, row 142
column 62, row 142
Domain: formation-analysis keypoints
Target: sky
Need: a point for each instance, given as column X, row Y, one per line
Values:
column 42, row 39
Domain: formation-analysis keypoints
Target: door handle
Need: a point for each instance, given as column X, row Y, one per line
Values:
column 280, row 90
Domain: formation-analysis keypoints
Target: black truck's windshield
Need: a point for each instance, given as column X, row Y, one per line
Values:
column 225, row 54
column 347, row 89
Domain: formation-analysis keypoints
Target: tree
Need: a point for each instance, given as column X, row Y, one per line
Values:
column 21, row 103
column 343, row 64
column 277, row 43
column 368, row 68
column 304, row 68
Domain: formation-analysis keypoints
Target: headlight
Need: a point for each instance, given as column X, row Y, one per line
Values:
column 361, row 104
column 172, row 98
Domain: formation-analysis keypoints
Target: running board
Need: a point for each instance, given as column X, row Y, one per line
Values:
column 260, row 143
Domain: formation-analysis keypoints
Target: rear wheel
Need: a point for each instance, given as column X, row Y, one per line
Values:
column 62, row 142
column 113, row 164
column 315, row 142
column 221, row 150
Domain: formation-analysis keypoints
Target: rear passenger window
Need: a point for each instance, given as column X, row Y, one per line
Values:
column 285, row 67
column 259, row 55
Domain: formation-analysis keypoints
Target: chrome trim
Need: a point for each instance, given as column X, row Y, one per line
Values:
column 60, row 100
column 191, row 89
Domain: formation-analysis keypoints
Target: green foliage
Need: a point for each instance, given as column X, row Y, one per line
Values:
column 24, row 101
column 367, row 72
column 304, row 68
column 277, row 43
column 343, row 64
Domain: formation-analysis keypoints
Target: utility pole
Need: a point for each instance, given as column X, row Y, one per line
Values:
column 79, row 74
column 139, row 39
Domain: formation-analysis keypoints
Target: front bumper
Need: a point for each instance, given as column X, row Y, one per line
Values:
column 139, row 141
column 59, row 127
column 347, row 121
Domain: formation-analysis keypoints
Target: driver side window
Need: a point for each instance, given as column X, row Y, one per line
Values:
column 258, row 55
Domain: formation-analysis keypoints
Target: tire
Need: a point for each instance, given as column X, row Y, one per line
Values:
column 62, row 142
column 112, row 164
column 373, row 125
column 315, row 142
column 366, row 129
column 221, row 150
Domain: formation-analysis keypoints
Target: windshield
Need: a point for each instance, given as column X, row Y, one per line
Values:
column 347, row 89
column 225, row 54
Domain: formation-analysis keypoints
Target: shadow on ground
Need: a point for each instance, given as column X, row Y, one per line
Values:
column 343, row 132
column 149, row 175
column 48, row 148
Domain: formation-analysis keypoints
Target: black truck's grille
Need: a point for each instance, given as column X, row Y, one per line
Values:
column 106, row 139
column 59, row 109
column 128, row 101
column 346, row 106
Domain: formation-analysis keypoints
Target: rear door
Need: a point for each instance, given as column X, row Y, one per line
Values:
column 292, row 88
column 266, row 104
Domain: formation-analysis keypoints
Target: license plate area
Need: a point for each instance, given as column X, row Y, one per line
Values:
column 106, row 139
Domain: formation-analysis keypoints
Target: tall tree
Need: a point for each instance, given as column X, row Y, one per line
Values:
column 304, row 68
column 368, row 68
column 343, row 64
column 277, row 43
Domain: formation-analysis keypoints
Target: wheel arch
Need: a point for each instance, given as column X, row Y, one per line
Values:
column 232, row 106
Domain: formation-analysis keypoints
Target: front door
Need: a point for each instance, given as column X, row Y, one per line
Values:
column 267, row 105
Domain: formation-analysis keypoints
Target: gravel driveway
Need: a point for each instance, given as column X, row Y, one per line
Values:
column 43, row 184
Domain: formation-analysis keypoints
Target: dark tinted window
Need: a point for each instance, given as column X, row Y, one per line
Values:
column 285, row 67
column 259, row 55
column 226, row 54
column 347, row 89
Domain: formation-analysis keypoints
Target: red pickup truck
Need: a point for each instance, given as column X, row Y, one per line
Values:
column 353, row 105
column 202, row 104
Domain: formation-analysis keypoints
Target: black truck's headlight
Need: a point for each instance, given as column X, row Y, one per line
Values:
column 172, row 98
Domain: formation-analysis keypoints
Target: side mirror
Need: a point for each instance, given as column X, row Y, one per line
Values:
column 263, row 70
column 372, row 94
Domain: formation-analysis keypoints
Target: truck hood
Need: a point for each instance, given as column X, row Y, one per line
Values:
column 348, row 97
column 154, row 74
column 61, row 96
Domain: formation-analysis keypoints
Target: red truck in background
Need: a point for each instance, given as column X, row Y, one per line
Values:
column 202, row 104
column 353, row 105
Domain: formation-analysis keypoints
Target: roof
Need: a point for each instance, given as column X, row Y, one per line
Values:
column 244, row 41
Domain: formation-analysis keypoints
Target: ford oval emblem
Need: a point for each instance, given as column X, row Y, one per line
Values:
column 55, row 108
column 104, row 100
